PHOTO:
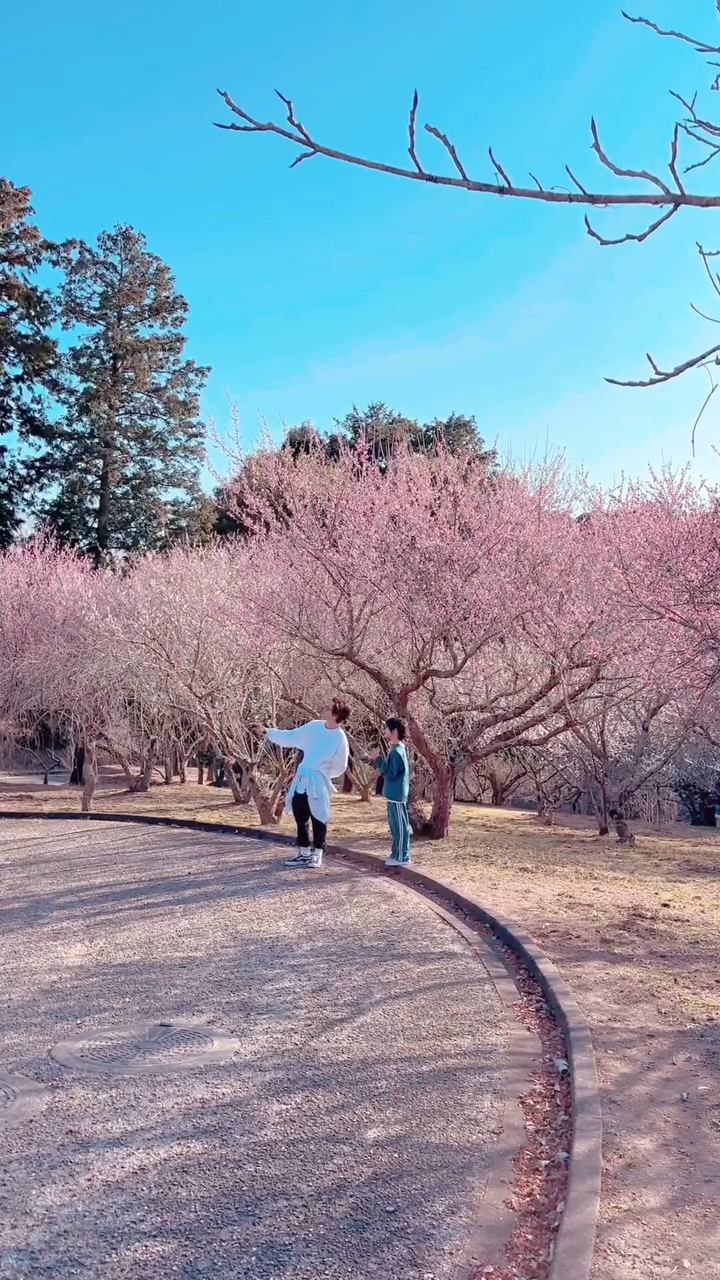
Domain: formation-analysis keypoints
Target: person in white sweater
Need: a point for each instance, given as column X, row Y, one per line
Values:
column 325, row 754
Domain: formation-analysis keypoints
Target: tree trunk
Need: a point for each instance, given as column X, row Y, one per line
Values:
column 168, row 771
column 603, row 815
column 240, row 792
column 103, row 513
column 77, row 777
column 439, row 825
column 200, row 773
column 546, row 812
column 352, row 781
column 143, row 782
column 107, row 450
column 124, row 763
column 266, row 805
column 91, row 779
column 182, row 767
column 499, row 790
column 624, row 834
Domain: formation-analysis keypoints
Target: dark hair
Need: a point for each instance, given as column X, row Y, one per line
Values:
column 396, row 726
column 340, row 710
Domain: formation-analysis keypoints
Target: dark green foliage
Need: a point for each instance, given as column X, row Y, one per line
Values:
column 377, row 429
column 118, row 468
column 28, row 354
column 381, row 430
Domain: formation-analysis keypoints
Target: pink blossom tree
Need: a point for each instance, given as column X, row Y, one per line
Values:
column 193, row 651
column 470, row 603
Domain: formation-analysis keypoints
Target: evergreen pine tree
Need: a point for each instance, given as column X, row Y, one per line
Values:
column 28, row 354
column 120, row 465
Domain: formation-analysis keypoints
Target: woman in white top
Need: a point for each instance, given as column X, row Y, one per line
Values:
column 325, row 756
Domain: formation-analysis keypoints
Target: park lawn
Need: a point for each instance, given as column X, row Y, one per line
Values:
column 637, row 933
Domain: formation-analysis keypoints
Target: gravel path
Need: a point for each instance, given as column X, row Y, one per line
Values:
column 346, row 1133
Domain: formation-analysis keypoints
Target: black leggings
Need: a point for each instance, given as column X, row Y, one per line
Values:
column 303, row 816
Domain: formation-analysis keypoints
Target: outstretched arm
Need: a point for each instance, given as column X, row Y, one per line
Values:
column 296, row 738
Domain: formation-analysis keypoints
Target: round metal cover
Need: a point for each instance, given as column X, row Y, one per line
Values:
column 145, row 1048
column 19, row 1098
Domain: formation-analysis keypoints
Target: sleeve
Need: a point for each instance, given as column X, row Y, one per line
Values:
column 297, row 738
column 391, row 766
column 340, row 759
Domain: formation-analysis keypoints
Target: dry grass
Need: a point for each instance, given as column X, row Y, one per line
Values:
column 637, row 933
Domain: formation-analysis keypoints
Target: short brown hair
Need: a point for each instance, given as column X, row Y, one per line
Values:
column 340, row 710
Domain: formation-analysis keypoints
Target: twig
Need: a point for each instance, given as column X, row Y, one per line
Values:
column 430, row 128
column 706, row 125
column 666, row 375
column 702, row 314
column 411, row 133
column 712, row 276
column 499, row 170
column 672, row 166
column 291, row 118
column 641, row 174
column 700, row 164
column 570, row 173
column 708, row 398
column 700, row 46
column 304, row 155
column 637, row 237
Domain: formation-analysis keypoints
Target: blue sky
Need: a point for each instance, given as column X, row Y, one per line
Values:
column 322, row 286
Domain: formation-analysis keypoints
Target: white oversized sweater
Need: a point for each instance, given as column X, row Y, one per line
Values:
column 325, row 756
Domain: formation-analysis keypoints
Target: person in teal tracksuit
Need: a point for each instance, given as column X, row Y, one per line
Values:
column 395, row 771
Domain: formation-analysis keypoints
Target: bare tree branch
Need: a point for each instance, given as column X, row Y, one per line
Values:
column 571, row 175
column 297, row 134
column 703, row 314
column 656, row 192
column 666, row 375
column 641, row 174
column 449, row 147
column 499, row 170
column 630, row 235
column 708, row 398
column 700, row 46
column 713, row 276
column 411, row 133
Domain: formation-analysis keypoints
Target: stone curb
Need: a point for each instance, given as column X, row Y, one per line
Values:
column 576, row 1236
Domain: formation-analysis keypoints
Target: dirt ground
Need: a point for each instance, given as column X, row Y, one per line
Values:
column 636, row 931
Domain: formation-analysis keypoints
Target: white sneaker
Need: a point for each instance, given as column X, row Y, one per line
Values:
column 392, row 862
column 299, row 859
column 316, row 857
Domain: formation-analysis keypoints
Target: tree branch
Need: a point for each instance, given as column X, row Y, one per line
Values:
column 296, row 133
column 430, row 128
column 666, row 375
column 411, row 133
column 637, row 237
column 699, row 45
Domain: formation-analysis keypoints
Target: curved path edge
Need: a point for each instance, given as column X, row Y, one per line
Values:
column 576, row 1235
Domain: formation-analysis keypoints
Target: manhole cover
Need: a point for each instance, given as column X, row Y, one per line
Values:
column 19, row 1098
column 145, row 1048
